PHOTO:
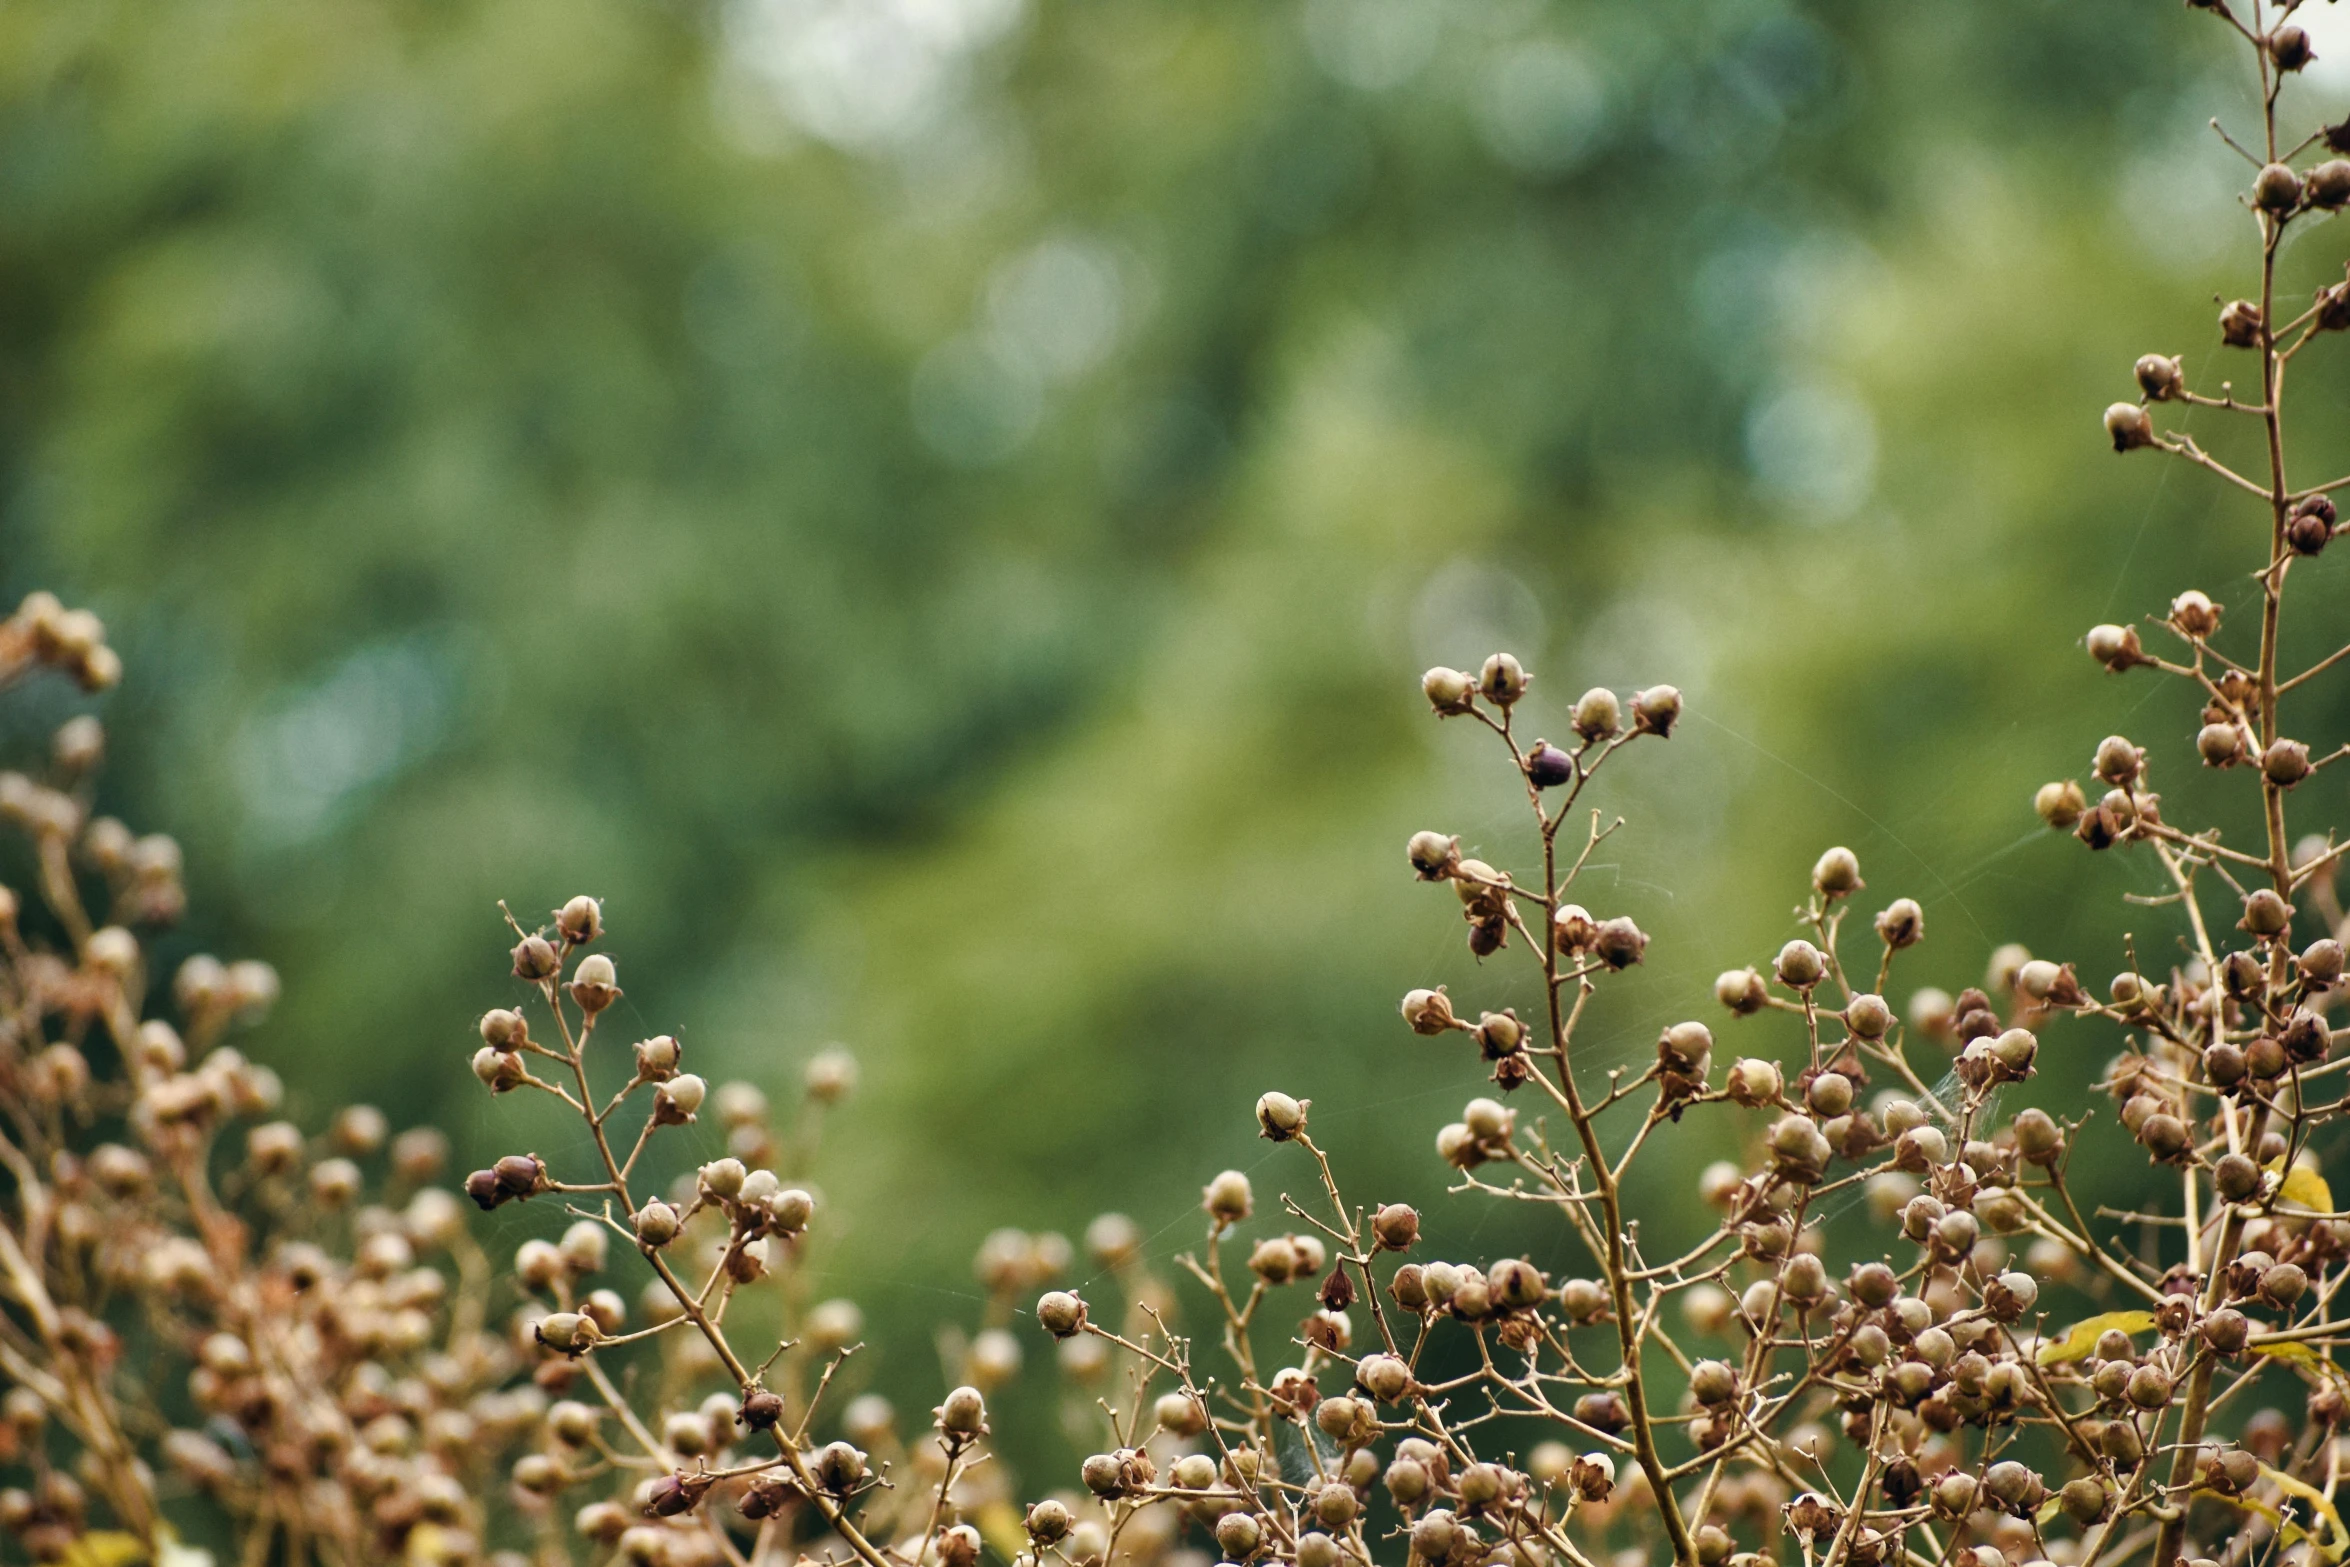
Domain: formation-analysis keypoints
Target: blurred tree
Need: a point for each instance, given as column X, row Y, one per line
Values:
column 934, row 509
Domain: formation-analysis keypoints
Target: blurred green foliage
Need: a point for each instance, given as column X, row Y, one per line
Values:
column 935, row 511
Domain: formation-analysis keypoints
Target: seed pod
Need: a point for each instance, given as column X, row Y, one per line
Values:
column 2226, row 1330
column 1547, row 766
column 2127, row 426
column 1830, row 1094
column 2283, row 1284
column 1836, row 874
column 1800, row 965
column 2010, row 1295
column 1316, row 1549
column 2289, row 47
column 2118, row 762
column 2160, row 377
column 1741, row 990
column 1597, row 716
column 567, row 1331
column 1048, row 1522
column 1503, row 680
column 963, row 1413
column 1061, row 1313
column 2085, row 1500
column 1228, row 1199
column 1347, row 1420
column 1713, row 1382
column 1428, row 1012
column 1433, row 855
column 2116, row 647
column 2148, row 1387
column 1385, row 1377
column 535, row 959
column 1448, row 691
column 1396, row 1226
column 657, row 1058
column 504, row 1030
column 2285, row 763
column 2266, row 915
column 2306, row 532
column 1867, row 1016
column 2240, row 324
column 2014, row 1487
column 656, row 1225
column 2328, row 185
column 1279, row 1117
column 2276, row 188
column 1619, row 942
column 2220, row 745
column 500, row 1071
column 1656, row 710
column 581, row 920
column 2060, row 804
column 1179, row 1414
column 1500, row 1034
column 1434, row 1535
column 1754, row 1082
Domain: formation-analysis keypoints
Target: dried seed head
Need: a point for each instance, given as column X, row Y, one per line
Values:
column 2127, row 426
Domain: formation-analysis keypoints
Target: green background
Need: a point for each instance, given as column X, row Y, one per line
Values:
column 936, row 511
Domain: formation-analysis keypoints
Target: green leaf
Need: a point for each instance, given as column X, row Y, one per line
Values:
column 2082, row 1336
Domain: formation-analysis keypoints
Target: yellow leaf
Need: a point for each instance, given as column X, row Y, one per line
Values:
column 2304, row 1188
column 2082, row 1337
column 105, row 1548
column 2303, row 1359
column 999, row 1525
column 2318, row 1502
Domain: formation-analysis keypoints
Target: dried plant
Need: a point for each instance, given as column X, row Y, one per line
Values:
column 295, row 1343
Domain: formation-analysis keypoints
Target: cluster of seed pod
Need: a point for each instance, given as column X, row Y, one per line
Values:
column 316, row 1299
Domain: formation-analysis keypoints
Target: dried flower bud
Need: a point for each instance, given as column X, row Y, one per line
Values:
column 2127, row 426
